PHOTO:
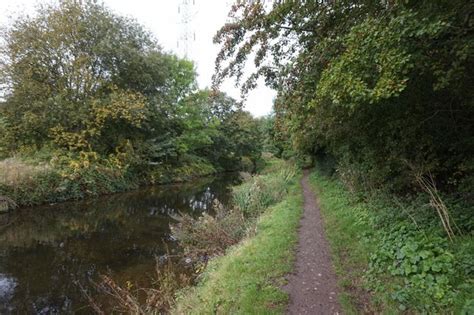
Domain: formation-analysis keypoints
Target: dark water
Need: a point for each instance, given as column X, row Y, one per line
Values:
column 45, row 251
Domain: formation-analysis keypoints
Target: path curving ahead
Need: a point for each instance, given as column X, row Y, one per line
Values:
column 312, row 285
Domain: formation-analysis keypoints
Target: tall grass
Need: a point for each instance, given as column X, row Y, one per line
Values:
column 14, row 171
column 127, row 299
column 259, row 192
column 210, row 236
column 248, row 279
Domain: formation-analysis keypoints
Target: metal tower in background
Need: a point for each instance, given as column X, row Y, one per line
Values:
column 187, row 10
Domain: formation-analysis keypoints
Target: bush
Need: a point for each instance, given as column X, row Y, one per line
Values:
column 210, row 235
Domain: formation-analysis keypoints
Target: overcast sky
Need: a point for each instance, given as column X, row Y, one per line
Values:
column 165, row 20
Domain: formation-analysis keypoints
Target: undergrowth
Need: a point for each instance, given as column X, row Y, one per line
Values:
column 249, row 277
column 211, row 235
column 253, row 235
column 397, row 253
column 58, row 177
column 128, row 299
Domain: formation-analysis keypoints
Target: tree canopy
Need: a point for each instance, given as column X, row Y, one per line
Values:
column 87, row 82
column 385, row 87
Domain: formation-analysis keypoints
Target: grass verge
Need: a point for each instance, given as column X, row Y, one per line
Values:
column 247, row 280
column 390, row 258
column 345, row 222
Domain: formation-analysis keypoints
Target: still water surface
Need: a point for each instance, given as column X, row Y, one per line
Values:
column 45, row 251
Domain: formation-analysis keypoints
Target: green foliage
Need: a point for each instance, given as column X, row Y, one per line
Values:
column 65, row 60
column 259, row 192
column 232, row 132
column 385, row 88
column 396, row 251
column 424, row 264
column 113, row 110
column 248, row 279
column 364, row 120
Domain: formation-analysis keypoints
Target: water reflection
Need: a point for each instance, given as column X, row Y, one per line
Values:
column 7, row 287
column 45, row 250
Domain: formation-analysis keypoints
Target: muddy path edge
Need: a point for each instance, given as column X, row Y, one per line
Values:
column 312, row 286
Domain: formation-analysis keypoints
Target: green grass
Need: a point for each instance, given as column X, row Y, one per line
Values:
column 377, row 251
column 345, row 222
column 248, row 279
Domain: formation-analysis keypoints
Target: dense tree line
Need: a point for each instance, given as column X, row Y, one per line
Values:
column 91, row 104
column 80, row 81
column 384, row 88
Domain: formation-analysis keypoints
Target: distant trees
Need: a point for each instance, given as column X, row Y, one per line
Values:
column 383, row 87
column 78, row 78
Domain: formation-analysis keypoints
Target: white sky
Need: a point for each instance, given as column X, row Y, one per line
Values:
column 162, row 19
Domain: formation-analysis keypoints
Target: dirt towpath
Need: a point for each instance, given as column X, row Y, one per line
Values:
column 312, row 285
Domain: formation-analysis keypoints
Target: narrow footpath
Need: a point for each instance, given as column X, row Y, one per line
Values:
column 312, row 285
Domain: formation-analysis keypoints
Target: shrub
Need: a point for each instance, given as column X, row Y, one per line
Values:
column 209, row 235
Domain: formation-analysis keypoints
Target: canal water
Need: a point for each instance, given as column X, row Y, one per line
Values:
column 46, row 251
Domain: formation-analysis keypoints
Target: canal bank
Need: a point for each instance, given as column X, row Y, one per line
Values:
column 249, row 278
column 47, row 253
